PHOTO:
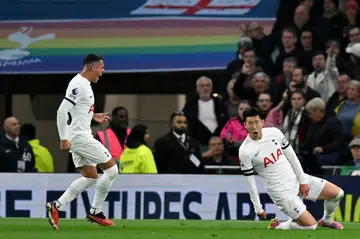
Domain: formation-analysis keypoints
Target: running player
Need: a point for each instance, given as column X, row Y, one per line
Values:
column 74, row 117
column 267, row 152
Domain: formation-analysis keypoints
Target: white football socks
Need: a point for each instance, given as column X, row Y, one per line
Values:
column 102, row 189
column 75, row 188
column 330, row 207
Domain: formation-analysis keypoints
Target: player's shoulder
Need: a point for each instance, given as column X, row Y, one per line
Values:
column 245, row 147
column 271, row 132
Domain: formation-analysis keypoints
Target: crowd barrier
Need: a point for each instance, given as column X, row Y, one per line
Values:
column 207, row 197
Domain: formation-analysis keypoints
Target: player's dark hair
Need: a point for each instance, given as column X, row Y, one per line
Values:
column 117, row 109
column 252, row 112
column 91, row 58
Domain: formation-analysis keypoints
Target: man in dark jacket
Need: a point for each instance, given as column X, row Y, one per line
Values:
column 176, row 152
column 16, row 154
column 206, row 115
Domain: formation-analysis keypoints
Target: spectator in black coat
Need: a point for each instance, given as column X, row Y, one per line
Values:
column 16, row 154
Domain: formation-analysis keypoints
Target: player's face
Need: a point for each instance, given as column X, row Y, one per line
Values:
column 98, row 70
column 254, row 125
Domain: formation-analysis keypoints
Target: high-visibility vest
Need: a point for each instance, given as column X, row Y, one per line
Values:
column 109, row 139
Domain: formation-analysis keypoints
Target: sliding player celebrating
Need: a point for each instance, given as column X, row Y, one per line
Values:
column 74, row 118
column 267, row 152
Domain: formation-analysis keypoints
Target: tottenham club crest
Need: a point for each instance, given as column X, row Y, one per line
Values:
column 74, row 91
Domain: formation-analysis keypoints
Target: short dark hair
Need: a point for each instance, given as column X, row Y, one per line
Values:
column 253, row 111
column 117, row 109
column 176, row 113
column 304, row 72
column 318, row 53
column 291, row 59
column 291, row 30
column 91, row 58
column 249, row 49
column 28, row 130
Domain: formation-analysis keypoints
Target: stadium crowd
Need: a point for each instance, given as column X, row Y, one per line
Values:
column 304, row 77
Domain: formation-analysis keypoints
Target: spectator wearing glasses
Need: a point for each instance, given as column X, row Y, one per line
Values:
column 206, row 114
column 176, row 152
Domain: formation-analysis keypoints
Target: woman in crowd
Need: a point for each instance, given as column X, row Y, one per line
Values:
column 137, row 157
column 296, row 122
column 234, row 132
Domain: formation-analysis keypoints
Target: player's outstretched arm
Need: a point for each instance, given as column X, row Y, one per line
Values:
column 249, row 173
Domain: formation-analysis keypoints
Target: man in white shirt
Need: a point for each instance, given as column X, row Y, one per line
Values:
column 74, row 118
column 267, row 152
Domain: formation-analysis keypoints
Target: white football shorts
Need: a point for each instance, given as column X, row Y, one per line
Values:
column 293, row 205
column 87, row 151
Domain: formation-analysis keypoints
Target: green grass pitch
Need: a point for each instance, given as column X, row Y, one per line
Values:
column 15, row 228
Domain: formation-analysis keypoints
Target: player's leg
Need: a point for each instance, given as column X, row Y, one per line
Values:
column 320, row 189
column 98, row 154
column 102, row 188
column 296, row 210
column 89, row 177
column 332, row 195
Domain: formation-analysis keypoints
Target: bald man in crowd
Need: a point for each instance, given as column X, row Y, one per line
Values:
column 16, row 154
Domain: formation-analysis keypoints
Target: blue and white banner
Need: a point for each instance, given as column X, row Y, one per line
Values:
column 215, row 197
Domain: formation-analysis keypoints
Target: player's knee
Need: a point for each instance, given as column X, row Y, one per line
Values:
column 112, row 172
column 339, row 196
column 90, row 181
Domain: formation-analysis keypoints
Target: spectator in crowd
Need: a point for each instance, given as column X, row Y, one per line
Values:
column 307, row 49
column 296, row 121
column 353, row 169
column 176, row 152
column 236, row 65
column 332, row 19
column 339, row 95
column 234, row 132
column 43, row 160
column 233, row 101
column 260, row 83
column 348, row 113
column 114, row 137
column 283, row 80
column 275, row 116
column 264, row 103
column 322, row 141
column 216, row 155
column 16, row 154
column 137, row 157
column 352, row 16
column 299, row 82
column 353, row 66
column 323, row 79
column 289, row 40
column 256, row 32
column 206, row 114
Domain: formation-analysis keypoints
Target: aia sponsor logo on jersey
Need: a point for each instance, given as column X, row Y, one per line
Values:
column 92, row 107
column 273, row 158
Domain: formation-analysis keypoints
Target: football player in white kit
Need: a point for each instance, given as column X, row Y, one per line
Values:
column 267, row 152
column 74, row 118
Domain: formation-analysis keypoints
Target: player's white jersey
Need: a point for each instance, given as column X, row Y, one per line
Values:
column 80, row 94
column 266, row 157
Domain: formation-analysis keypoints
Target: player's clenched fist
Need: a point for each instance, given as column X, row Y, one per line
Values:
column 262, row 215
column 65, row 145
column 304, row 190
